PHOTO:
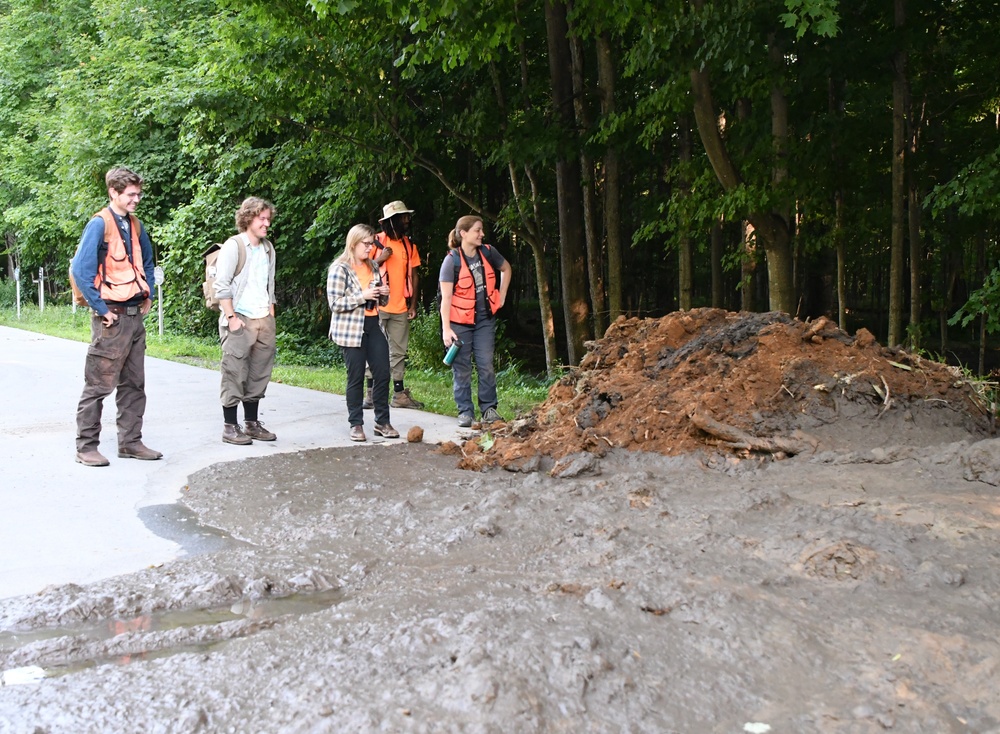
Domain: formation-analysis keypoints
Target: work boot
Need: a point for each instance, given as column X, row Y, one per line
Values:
column 232, row 433
column 491, row 416
column 403, row 399
column 91, row 457
column 367, row 403
column 358, row 433
column 138, row 451
column 385, row 430
column 256, row 431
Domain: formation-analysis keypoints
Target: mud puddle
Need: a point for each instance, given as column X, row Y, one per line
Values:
column 60, row 651
column 178, row 523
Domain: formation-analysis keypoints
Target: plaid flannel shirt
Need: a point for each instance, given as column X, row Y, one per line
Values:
column 343, row 293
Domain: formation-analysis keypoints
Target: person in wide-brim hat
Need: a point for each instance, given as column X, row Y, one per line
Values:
column 393, row 208
column 398, row 259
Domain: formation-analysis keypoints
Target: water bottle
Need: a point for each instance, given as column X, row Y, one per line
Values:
column 449, row 356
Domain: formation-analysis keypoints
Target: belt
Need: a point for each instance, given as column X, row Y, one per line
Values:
column 124, row 310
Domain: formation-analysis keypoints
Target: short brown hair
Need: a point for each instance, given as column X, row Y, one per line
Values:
column 250, row 208
column 121, row 178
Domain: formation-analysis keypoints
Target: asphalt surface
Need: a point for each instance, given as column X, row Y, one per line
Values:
column 62, row 522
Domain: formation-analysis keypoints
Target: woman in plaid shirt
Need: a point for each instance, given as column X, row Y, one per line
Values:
column 353, row 288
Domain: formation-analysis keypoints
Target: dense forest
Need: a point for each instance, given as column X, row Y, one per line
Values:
column 810, row 156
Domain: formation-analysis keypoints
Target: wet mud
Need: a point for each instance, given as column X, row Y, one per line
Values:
column 847, row 587
column 840, row 592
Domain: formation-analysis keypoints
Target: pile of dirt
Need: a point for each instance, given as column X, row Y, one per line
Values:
column 754, row 383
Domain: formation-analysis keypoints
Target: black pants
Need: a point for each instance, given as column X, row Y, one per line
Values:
column 374, row 351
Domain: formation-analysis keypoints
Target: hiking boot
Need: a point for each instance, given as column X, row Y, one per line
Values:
column 465, row 420
column 358, row 433
column 138, row 451
column 491, row 416
column 233, row 433
column 367, row 403
column 91, row 458
column 256, row 431
column 385, row 430
column 403, row 399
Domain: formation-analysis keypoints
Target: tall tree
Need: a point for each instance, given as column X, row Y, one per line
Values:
column 576, row 309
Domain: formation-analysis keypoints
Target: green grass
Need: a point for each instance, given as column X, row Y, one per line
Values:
column 518, row 392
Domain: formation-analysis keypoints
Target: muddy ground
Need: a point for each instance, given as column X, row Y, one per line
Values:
column 719, row 523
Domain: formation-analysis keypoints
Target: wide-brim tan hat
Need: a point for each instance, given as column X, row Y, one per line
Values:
column 392, row 208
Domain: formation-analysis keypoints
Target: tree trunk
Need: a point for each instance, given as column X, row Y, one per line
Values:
column 576, row 311
column 770, row 230
column 896, row 256
column 595, row 263
column 685, row 260
column 534, row 237
column 748, row 270
column 983, row 317
column 718, row 299
column 838, row 238
column 612, row 179
column 916, row 255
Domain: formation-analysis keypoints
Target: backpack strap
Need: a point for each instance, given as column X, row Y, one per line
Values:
column 241, row 254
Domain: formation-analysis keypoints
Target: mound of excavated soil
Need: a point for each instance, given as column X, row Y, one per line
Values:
column 750, row 382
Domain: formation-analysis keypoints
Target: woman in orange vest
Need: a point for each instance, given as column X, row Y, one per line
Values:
column 470, row 298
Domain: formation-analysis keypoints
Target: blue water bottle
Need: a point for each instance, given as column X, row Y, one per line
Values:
column 449, row 356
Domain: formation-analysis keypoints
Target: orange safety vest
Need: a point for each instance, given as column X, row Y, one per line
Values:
column 463, row 300
column 381, row 240
column 119, row 277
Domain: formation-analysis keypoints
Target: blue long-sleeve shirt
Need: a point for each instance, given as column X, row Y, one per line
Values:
column 84, row 264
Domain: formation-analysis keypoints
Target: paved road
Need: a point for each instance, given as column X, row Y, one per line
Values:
column 62, row 522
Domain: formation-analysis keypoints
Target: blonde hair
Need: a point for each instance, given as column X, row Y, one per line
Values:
column 464, row 224
column 354, row 235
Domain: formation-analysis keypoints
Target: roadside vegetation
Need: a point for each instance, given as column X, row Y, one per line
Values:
column 313, row 364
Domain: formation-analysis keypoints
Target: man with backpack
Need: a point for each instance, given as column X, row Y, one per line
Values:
column 244, row 287
column 113, row 270
column 398, row 260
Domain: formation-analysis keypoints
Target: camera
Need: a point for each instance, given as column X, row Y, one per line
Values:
column 384, row 300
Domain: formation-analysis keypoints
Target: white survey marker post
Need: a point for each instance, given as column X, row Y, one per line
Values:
column 41, row 289
column 17, row 290
column 158, row 279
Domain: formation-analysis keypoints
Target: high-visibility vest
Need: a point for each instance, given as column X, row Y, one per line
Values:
column 463, row 300
column 120, row 278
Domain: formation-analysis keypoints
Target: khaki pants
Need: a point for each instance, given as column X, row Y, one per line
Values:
column 115, row 361
column 247, row 360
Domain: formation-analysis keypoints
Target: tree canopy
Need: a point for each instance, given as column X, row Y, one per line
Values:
column 813, row 156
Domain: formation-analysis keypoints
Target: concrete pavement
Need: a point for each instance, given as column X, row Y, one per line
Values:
column 62, row 522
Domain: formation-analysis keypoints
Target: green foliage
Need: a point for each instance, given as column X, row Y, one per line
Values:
column 983, row 302
column 307, row 351
column 8, row 293
column 974, row 191
column 330, row 108
column 818, row 16
column 425, row 349
column 317, row 367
